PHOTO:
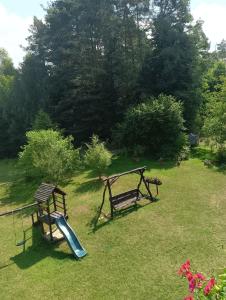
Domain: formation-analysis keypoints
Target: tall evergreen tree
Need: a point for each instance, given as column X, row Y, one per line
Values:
column 221, row 50
column 174, row 65
column 93, row 51
column 7, row 75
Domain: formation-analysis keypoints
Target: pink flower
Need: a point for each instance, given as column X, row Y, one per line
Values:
column 192, row 285
column 209, row 286
column 189, row 298
column 196, row 281
column 189, row 276
column 200, row 276
column 199, row 280
column 184, row 268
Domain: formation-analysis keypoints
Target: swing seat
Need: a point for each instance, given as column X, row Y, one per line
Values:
column 125, row 199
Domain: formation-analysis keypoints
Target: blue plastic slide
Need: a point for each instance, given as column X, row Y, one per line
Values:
column 70, row 237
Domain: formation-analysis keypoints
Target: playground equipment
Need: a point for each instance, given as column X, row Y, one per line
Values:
column 70, row 237
column 130, row 197
column 51, row 211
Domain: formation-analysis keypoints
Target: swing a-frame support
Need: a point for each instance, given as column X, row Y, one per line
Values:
column 127, row 198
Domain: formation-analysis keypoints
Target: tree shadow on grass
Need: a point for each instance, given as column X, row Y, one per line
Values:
column 122, row 164
column 206, row 154
column 202, row 153
column 19, row 193
column 93, row 185
column 221, row 169
column 39, row 250
column 9, row 171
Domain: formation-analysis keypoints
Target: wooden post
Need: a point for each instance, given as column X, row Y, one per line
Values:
column 146, row 185
column 32, row 219
column 102, row 204
column 64, row 206
column 49, row 220
column 138, row 187
column 110, row 195
column 54, row 201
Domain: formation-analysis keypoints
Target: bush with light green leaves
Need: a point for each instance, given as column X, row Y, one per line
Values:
column 97, row 156
column 214, row 128
column 48, row 155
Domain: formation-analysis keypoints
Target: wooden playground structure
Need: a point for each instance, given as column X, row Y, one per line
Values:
column 51, row 204
column 50, row 211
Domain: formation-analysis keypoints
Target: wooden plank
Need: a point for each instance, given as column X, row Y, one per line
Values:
column 45, row 188
column 125, row 203
column 43, row 193
column 131, row 192
column 126, row 198
column 125, row 173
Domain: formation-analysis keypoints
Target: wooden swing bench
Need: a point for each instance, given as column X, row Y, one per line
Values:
column 128, row 198
column 125, row 199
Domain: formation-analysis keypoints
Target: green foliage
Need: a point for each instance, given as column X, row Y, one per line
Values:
column 48, row 155
column 214, row 128
column 215, row 76
column 138, row 151
column 88, row 61
column 175, row 64
column 93, row 67
column 42, row 122
column 97, row 157
column 220, row 287
column 156, row 124
column 221, row 49
column 215, row 123
column 7, row 78
column 6, row 64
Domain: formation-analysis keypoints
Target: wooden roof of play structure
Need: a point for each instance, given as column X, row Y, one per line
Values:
column 45, row 191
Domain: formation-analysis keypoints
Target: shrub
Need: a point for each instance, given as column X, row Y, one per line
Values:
column 48, row 155
column 157, row 125
column 97, row 157
column 214, row 128
column 221, row 155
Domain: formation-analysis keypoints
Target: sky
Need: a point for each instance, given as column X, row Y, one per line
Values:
column 16, row 17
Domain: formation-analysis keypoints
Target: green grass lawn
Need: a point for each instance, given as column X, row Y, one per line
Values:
column 135, row 256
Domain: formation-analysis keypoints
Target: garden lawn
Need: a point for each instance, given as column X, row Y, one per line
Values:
column 135, row 256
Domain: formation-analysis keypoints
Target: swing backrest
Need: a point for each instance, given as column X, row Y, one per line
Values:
column 129, row 197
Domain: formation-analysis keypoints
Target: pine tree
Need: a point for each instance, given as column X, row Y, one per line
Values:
column 7, row 75
column 93, row 51
column 174, row 66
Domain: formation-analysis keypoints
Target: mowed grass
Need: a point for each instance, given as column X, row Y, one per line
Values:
column 135, row 256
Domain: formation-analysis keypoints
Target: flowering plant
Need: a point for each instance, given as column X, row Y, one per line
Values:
column 200, row 287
